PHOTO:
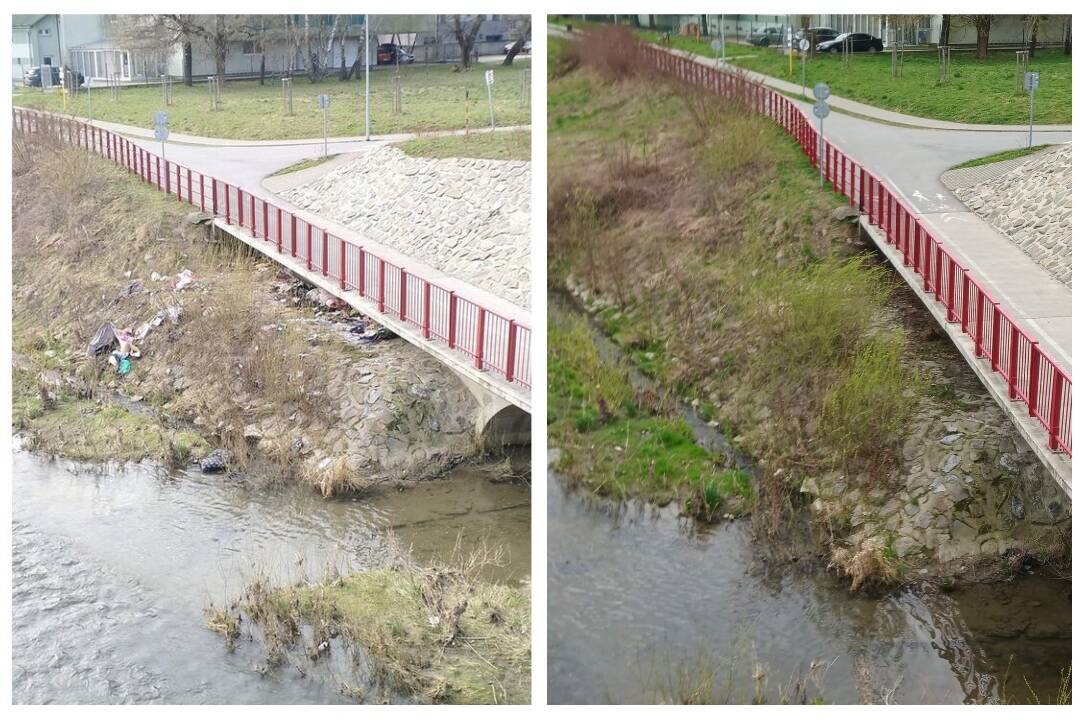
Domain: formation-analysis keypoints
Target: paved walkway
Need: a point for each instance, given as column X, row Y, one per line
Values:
column 965, row 177
column 911, row 160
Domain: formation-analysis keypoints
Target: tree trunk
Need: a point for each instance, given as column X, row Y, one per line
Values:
column 187, row 63
column 219, row 64
column 514, row 51
column 344, row 70
column 1034, row 37
column 262, row 68
column 982, row 42
column 1068, row 41
column 943, row 38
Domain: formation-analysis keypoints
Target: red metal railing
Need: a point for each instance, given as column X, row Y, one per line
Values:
column 1032, row 376
column 492, row 341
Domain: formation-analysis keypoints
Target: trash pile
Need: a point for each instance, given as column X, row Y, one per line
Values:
column 119, row 343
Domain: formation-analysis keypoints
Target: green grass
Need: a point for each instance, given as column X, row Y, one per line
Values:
column 616, row 449
column 303, row 165
column 513, row 145
column 981, row 91
column 999, row 157
column 433, row 98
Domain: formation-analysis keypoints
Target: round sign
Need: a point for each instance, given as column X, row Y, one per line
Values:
column 716, row 45
column 821, row 109
column 821, row 91
column 804, row 44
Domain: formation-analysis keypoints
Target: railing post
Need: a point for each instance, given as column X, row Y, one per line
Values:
column 965, row 301
column 425, row 323
column 325, row 252
column 158, row 171
column 308, row 253
column 451, row 333
column 251, row 206
column 240, row 208
column 479, row 337
column 1055, row 410
column 979, row 351
column 190, row 199
column 179, row 191
column 279, row 230
column 292, row 236
column 511, row 349
column 1033, row 379
column 341, row 265
column 403, row 288
column 995, row 337
column 382, row 286
column 362, row 273
column 213, row 193
column 228, row 215
column 266, row 221
column 1014, row 361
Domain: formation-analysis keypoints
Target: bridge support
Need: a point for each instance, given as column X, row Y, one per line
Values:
column 499, row 423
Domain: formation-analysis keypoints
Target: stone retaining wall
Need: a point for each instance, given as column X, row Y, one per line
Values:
column 467, row 217
column 1031, row 204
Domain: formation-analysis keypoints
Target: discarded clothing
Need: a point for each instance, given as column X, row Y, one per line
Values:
column 103, row 339
column 133, row 288
column 124, row 366
column 183, row 279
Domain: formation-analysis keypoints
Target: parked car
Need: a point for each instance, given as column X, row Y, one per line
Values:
column 764, row 37
column 389, row 53
column 525, row 49
column 32, row 77
column 818, row 35
column 860, row 42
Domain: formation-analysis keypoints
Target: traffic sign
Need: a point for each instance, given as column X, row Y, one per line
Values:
column 1031, row 81
column 489, row 77
column 161, row 133
column 821, row 109
column 821, row 91
column 716, row 45
column 324, row 101
column 804, row 44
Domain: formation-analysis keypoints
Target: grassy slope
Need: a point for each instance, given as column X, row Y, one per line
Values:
column 514, row 145
column 80, row 218
column 433, row 98
column 982, row 91
column 732, row 283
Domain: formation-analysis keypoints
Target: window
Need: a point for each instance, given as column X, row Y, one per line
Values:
column 248, row 47
column 47, row 60
column 45, row 31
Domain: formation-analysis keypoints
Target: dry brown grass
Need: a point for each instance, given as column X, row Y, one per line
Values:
column 82, row 231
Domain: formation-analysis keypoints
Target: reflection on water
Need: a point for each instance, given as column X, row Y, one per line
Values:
column 632, row 595
column 112, row 570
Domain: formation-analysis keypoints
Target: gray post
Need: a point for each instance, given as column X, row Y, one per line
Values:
column 325, row 114
column 367, row 78
column 1031, row 118
column 821, row 152
column 89, row 106
column 489, row 80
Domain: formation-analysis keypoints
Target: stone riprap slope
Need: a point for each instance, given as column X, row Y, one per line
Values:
column 1031, row 204
column 467, row 217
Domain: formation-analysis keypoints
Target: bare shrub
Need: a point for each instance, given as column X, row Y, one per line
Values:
column 612, row 51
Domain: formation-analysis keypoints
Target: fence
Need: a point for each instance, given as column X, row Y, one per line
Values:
column 1032, row 376
column 492, row 342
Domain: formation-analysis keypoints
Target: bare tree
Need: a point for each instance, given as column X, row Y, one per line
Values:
column 982, row 25
column 523, row 36
column 466, row 37
column 1032, row 22
column 943, row 37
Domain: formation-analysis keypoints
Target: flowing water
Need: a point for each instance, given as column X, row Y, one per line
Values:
column 112, row 568
column 642, row 604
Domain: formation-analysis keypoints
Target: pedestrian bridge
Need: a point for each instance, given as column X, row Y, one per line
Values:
column 483, row 339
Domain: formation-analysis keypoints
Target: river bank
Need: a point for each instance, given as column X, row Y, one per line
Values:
column 232, row 355
column 742, row 290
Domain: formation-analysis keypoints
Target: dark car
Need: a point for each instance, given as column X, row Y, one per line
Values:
column 32, row 77
column 818, row 35
column 764, row 37
column 859, row 42
column 526, row 47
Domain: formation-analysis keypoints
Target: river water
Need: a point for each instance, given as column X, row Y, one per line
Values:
column 112, row 569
